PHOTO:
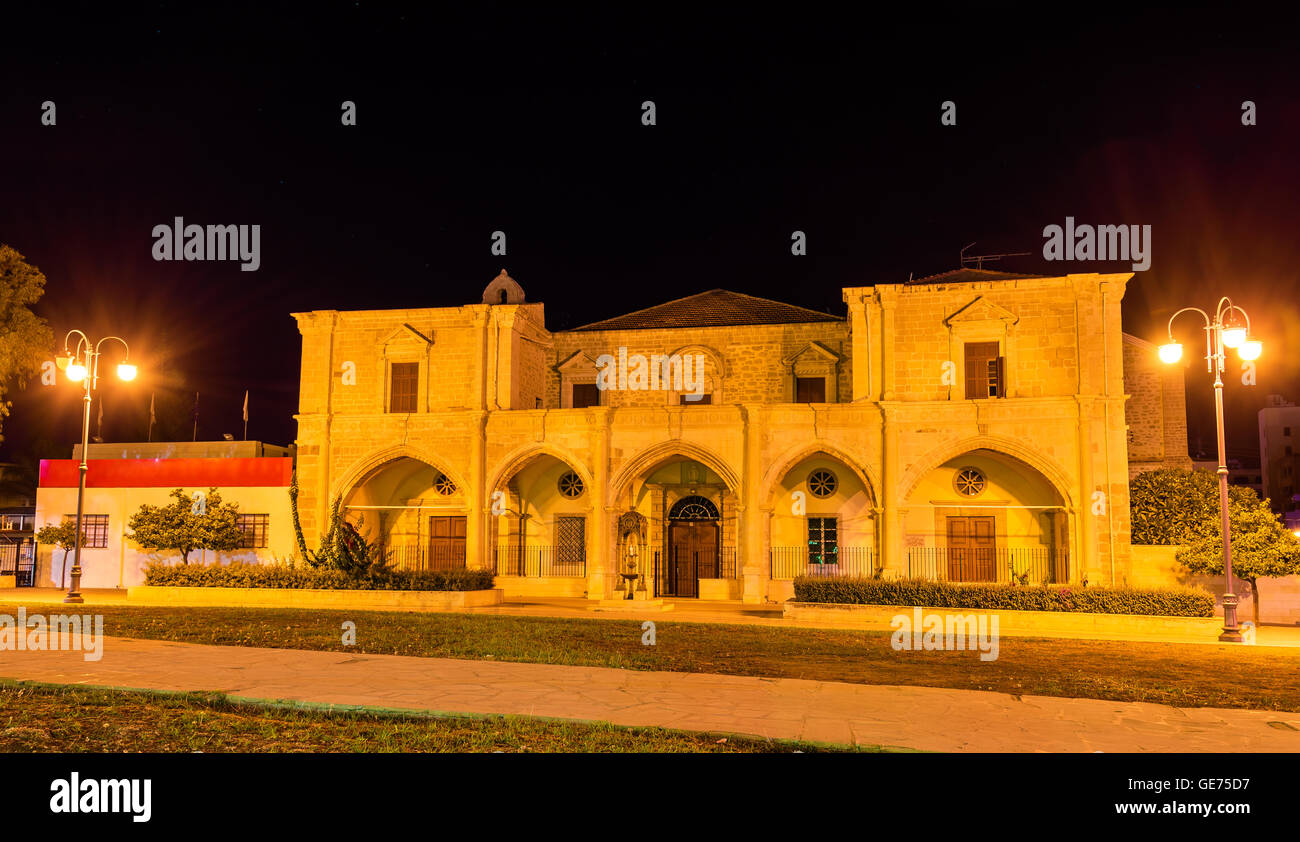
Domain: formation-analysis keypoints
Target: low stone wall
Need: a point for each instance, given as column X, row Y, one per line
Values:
column 545, row 586
column 1017, row 623
column 1156, row 567
column 314, row 598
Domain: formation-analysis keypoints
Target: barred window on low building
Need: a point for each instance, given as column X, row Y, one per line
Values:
column 95, row 528
column 254, row 529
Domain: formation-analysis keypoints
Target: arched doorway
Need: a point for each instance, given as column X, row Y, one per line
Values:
column 986, row 516
column 694, row 546
column 413, row 513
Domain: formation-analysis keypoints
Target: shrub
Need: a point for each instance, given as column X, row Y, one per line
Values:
column 1170, row 602
column 296, row 576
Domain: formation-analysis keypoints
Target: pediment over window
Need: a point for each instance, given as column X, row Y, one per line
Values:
column 408, row 338
column 982, row 310
column 813, row 352
column 579, row 363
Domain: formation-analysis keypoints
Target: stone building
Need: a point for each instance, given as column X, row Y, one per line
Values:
column 1156, row 409
column 967, row 426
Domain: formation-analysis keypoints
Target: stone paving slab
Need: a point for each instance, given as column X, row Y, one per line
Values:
column 925, row 718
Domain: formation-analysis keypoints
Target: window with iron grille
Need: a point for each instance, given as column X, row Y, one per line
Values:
column 404, row 387
column 95, row 528
column 823, row 540
column 254, row 529
column 570, row 540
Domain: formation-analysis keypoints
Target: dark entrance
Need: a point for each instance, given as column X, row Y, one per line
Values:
column 972, row 549
column 693, row 536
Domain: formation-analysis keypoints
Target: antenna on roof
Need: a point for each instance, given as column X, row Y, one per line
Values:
column 978, row 259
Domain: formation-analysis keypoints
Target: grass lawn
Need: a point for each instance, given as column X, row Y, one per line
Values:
column 1180, row 675
column 57, row 718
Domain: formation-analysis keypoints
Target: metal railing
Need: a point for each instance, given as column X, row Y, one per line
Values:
column 1026, row 565
column 678, row 571
column 790, row 562
column 540, row 560
column 19, row 562
column 420, row 557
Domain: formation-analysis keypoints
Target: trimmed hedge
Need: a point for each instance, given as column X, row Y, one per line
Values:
column 1167, row 602
column 242, row 575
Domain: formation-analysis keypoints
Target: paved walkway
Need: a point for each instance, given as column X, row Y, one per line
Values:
column 913, row 717
column 684, row 611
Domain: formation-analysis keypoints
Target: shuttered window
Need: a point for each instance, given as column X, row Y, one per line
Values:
column 404, row 387
column 985, row 371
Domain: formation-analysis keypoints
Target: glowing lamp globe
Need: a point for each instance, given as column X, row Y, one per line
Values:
column 1250, row 349
column 126, row 371
column 1171, row 353
column 1234, row 336
column 76, row 372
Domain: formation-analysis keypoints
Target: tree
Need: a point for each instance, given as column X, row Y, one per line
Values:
column 1261, row 546
column 1175, row 506
column 185, row 526
column 25, row 338
column 64, row 536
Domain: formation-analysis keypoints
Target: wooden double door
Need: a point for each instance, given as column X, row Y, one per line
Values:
column 446, row 542
column 972, row 549
column 692, row 555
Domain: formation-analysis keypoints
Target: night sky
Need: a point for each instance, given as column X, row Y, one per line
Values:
column 529, row 121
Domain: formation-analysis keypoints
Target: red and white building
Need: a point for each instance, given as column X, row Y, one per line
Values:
column 123, row 477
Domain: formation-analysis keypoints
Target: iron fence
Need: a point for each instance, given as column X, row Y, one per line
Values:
column 790, row 562
column 1026, row 565
column 421, row 557
column 678, row 571
column 540, row 560
column 19, row 562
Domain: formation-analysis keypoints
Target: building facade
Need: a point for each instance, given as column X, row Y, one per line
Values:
column 123, row 477
column 1279, row 456
column 969, row 426
column 1156, row 410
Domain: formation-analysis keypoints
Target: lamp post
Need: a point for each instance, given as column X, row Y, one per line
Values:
column 1223, row 330
column 82, row 365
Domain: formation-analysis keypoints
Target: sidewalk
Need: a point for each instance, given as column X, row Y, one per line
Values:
column 914, row 717
column 684, row 611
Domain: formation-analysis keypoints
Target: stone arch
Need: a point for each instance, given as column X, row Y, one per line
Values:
column 363, row 468
column 1048, row 469
column 521, row 457
column 656, row 453
column 783, row 465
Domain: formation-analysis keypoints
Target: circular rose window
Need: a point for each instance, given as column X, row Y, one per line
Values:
column 970, row 482
column 443, row 485
column 571, row 485
column 822, row 483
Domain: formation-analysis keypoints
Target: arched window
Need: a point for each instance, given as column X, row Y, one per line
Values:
column 693, row 508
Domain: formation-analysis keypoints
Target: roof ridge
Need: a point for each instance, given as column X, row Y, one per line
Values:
column 742, row 297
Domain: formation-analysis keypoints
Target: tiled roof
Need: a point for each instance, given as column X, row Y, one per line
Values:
column 964, row 276
column 715, row 308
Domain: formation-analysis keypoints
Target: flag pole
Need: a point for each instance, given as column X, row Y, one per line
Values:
column 245, row 415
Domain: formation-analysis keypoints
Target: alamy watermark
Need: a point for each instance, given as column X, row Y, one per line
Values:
column 667, row 372
column 179, row 241
column 61, row 632
column 1099, row 242
column 946, row 632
